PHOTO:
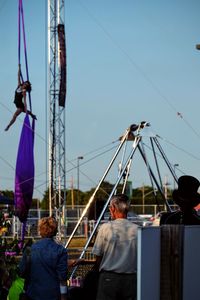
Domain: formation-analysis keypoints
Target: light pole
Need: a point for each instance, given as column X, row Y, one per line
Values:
column 144, row 195
column 78, row 159
column 166, row 183
column 175, row 165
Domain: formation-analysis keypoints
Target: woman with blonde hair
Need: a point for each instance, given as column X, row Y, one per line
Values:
column 47, row 265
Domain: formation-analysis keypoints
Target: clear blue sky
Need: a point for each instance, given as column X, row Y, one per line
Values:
column 127, row 61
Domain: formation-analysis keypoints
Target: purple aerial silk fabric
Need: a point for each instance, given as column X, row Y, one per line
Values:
column 24, row 174
column 63, row 71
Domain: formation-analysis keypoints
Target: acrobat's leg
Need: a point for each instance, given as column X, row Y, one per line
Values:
column 16, row 114
column 31, row 114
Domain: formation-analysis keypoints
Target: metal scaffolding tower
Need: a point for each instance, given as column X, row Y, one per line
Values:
column 56, row 111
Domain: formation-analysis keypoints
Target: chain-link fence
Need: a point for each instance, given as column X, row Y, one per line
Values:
column 67, row 219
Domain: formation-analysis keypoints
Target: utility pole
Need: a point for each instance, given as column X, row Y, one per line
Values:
column 166, row 184
column 143, row 197
column 78, row 193
column 72, row 192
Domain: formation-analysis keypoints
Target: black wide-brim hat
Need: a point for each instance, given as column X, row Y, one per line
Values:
column 187, row 191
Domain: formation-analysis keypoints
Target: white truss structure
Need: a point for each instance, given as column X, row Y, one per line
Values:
column 56, row 114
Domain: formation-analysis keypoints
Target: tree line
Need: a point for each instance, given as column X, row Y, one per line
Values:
column 138, row 196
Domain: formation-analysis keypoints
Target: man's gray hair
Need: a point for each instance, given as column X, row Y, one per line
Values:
column 121, row 202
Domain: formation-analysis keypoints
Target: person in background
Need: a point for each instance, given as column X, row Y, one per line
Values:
column 20, row 100
column 7, row 223
column 5, row 278
column 187, row 198
column 16, row 289
column 47, row 270
column 17, row 283
column 116, row 253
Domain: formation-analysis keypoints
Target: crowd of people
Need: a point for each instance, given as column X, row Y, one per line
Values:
column 42, row 272
column 5, row 223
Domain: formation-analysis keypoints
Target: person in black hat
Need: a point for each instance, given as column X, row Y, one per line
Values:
column 186, row 197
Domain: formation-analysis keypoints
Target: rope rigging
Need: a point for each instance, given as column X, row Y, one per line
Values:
column 25, row 169
column 21, row 9
column 21, row 20
column 154, row 85
column 23, row 87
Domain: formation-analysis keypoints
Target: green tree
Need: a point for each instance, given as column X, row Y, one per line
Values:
column 8, row 193
column 34, row 204
column 44, row 204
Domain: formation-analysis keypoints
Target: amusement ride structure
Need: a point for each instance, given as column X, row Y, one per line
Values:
column 133, row 139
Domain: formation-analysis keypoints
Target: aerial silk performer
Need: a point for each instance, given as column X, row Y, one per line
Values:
column 24, row 174
column 20, row 100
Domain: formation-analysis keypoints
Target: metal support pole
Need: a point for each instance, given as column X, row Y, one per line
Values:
column 153, row 176
column 165, row 159
column 99, row 184
column 175, row 165
column 155, row 158
column 137, row 140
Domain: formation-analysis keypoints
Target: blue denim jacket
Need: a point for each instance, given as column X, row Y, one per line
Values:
column 47, row 268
